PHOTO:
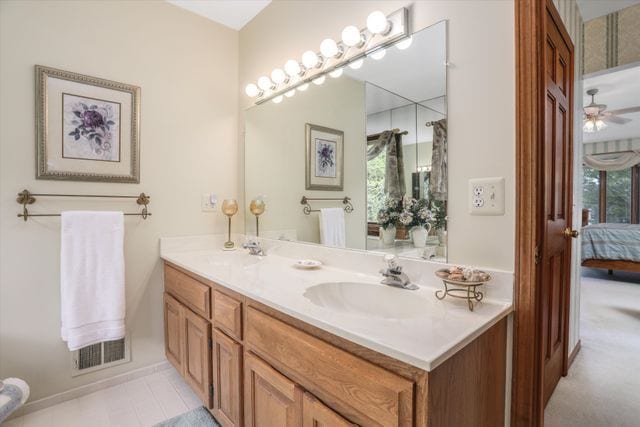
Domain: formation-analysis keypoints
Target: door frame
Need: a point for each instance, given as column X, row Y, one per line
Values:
column 527, row 405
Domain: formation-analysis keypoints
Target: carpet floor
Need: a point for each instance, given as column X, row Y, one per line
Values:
column 603, row 385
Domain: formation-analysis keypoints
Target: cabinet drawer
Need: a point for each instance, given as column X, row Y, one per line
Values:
column 374, row 395
column 227, row 314
column 193, row 294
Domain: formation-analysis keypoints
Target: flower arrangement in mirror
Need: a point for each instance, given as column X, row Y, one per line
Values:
column 388, row 218
column 417, row 216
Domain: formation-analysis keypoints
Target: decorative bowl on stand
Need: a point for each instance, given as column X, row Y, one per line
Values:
column 458, row 287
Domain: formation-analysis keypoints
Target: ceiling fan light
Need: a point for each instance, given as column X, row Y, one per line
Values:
column 589, row 126
column 600, row 125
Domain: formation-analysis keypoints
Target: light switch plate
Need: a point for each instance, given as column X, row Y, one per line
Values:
column 208, row 202
column 486, row 196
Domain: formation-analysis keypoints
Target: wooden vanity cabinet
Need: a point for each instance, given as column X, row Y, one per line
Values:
column 271, row 399
column 227, row 379
column 255, row 366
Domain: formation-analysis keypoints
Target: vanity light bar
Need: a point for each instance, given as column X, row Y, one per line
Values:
column 381, row 32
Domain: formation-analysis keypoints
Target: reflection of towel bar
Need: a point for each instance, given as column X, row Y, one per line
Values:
column 346, row 201
column 26, row 198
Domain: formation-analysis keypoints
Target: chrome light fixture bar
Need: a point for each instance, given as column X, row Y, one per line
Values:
column 381, row 32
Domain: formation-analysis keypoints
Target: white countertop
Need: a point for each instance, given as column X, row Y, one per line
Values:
column 420, row 337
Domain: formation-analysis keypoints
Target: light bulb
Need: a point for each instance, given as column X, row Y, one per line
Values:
column 404, row 44
column 265, row 83
column 351, row 36
column 600, row 125
column 356, row 64
column 277, row 99
column 379, row 54
column 310, row 59
column 319, row 80
column 303, row 87
column 278, row 76
column 377, row 22
column 329, row 48
column 336, row 73
column 292, row 67
column 290, row 93
column 589, row 126
column 251, row 90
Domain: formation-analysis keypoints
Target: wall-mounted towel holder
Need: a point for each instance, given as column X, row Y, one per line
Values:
column 346, row 201
column 27, row 198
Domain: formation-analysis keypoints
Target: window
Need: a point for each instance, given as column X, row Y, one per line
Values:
column 375, row 186
column 591, row 193
column 612, row 196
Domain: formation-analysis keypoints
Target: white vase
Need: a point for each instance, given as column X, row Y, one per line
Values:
column 388, row 236
column 419, row 236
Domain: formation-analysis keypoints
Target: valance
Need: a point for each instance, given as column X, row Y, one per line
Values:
column 615, row 162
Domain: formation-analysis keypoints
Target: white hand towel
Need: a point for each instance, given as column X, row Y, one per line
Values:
column 332, row 228
column 92, row 277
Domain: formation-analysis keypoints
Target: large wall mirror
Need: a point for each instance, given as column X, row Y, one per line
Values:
column 359, row 161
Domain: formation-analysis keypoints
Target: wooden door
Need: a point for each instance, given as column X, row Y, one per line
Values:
column 173, row 336
column 227, row 379
column 316, row 414
column 555, row 251
column 197, row 355
column 271, row 399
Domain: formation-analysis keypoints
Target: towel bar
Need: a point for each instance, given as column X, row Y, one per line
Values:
column 25, row 197
column 348, row 207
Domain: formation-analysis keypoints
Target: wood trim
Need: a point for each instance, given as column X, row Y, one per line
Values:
column 526, row 401
column 602, row 197
column 574, row 353
column 635, row 194
column 613, row 264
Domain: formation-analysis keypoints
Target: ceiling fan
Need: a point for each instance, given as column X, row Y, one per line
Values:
column 596, row 117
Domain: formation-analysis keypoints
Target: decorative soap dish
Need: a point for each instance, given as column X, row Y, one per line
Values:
column 308, row 264
column 461, row 282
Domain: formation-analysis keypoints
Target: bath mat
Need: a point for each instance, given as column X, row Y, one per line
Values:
column 198, row 417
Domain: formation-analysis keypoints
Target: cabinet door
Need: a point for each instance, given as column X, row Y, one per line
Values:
column 173, row 335
column 271, row 399
column 227, row 378
column 197, row 355
column 316, row 414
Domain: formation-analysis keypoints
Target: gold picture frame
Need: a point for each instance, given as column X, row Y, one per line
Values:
column 87, row 128
column 324, row 161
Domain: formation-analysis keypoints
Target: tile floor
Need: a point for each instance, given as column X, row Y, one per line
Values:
column 138, row 403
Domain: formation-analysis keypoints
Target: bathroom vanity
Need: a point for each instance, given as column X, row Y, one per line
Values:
column 265, row 344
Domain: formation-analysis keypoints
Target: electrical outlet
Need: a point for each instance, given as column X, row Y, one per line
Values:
column 486, row 196
column 208, row 202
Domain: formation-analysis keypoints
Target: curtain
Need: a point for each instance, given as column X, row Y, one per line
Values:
column 394, row 185
column 438, row 181
column 618, row 162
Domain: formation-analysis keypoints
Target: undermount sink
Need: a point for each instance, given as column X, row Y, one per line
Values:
column 367, row 299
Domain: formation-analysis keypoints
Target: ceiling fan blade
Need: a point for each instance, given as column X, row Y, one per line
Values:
column 625, row 110
column 615, row 119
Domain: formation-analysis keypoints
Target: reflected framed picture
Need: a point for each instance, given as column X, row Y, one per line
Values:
column 87, row 128
column 324, row 158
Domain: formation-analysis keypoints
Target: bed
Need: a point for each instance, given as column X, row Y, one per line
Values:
column 611, row 246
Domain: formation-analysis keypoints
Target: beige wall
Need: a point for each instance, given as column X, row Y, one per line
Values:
column 481, row 96
column 187, row 67
column 275, row 161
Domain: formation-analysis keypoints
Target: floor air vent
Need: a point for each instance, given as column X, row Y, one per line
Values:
column 100, row 356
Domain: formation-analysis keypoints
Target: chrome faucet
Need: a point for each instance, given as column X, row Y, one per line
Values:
column 393, row 275
column 254, row 248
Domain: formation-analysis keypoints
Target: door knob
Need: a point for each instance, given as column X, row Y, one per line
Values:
column 571, row 233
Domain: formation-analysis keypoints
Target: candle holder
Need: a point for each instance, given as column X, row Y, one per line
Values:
column 257, row 207
column 229, row 208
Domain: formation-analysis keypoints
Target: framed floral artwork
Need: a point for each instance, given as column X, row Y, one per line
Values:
column 324, row 158
column 87, row 128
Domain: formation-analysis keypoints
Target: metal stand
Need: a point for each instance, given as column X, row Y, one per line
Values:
column 464, row 291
